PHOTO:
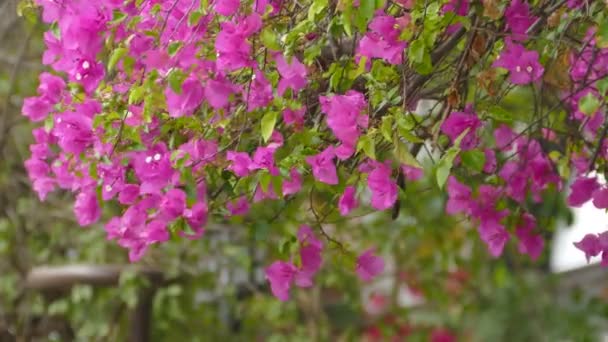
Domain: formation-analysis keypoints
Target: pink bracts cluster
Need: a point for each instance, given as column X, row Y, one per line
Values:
column 147, row 100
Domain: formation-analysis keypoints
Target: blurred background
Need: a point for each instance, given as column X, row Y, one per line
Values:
column 60, row 282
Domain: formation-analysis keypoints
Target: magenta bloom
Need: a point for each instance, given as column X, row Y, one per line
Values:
column 241, row 163
column 600, row 198
column 86, row 208
column 590, row 244
column 323, row 167
column 184, row 103
column 369, row 265
column 519, row 18
column 494, row 235
column 459, row 197
column 457, row 123
column 294, row 117
column 227, row 7
column 153, row 169
column 36, row 108
column 293, row 74
column 173, row 204
column 218, row 91
column 281, row 274
column 259, row 93
column 383, row 187
column 128, row 194
column 156, row 231
column 582, row 190
column 74, row 132
column 293, row 185
column 348, row 201
column 51, row 87
column 345, row 114
column 412, row 173
column 523, row 65
column 529, row 243
column 490, row 164
column 238, row 207
column 382, row 40
column 197, row 219
column 310, row 255
column 263, row 158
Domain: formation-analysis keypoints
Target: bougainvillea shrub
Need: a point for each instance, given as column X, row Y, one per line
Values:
column 164, row 116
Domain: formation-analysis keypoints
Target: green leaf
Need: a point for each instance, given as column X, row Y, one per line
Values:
column 602, row 34
column 588, row 104
column 473, row 159
column 175, row 78
column 366, row 143
column 270, row 40
column 403, row 155
column 174, row 47
column 416, row 51
column 265, row 180
column 116, row 56
column 386, row 128
column 316, row 8
column 500, row 114
column 268, row 122
column 444, row 166
column 136, row 95
column 194, row 18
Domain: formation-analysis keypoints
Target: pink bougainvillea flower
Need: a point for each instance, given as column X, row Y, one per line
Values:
column 590, row 244
column 581, row 191
column 227, row 7
column 153, row 169
column 36, row 108
column 184, row 103
column 494, row 235
column 263, row 158
column 457, row 123
column 345, row 115
column 523, row 65
column 459, row 197
column 218, row 91
column 348, row 200
column 383, row 187
column 310, row 256
column 529, row 243
column 173, row 204
column 369, row 265
column 293, row 74
column 241, row 163
column 382, row 40
column 412, row 173
column 197, row 219
column 294, row 117
column 156, row 231
column 74, row 132
column 600, row 198
column 86, row 208
column 259, row 93
column 233, row 49
column 323, row 167
column 490, row 164
column 294, row 184
column 239, row 206
column 281, row 274
column 519, row 19
column 128, row 194
column 51, row 87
